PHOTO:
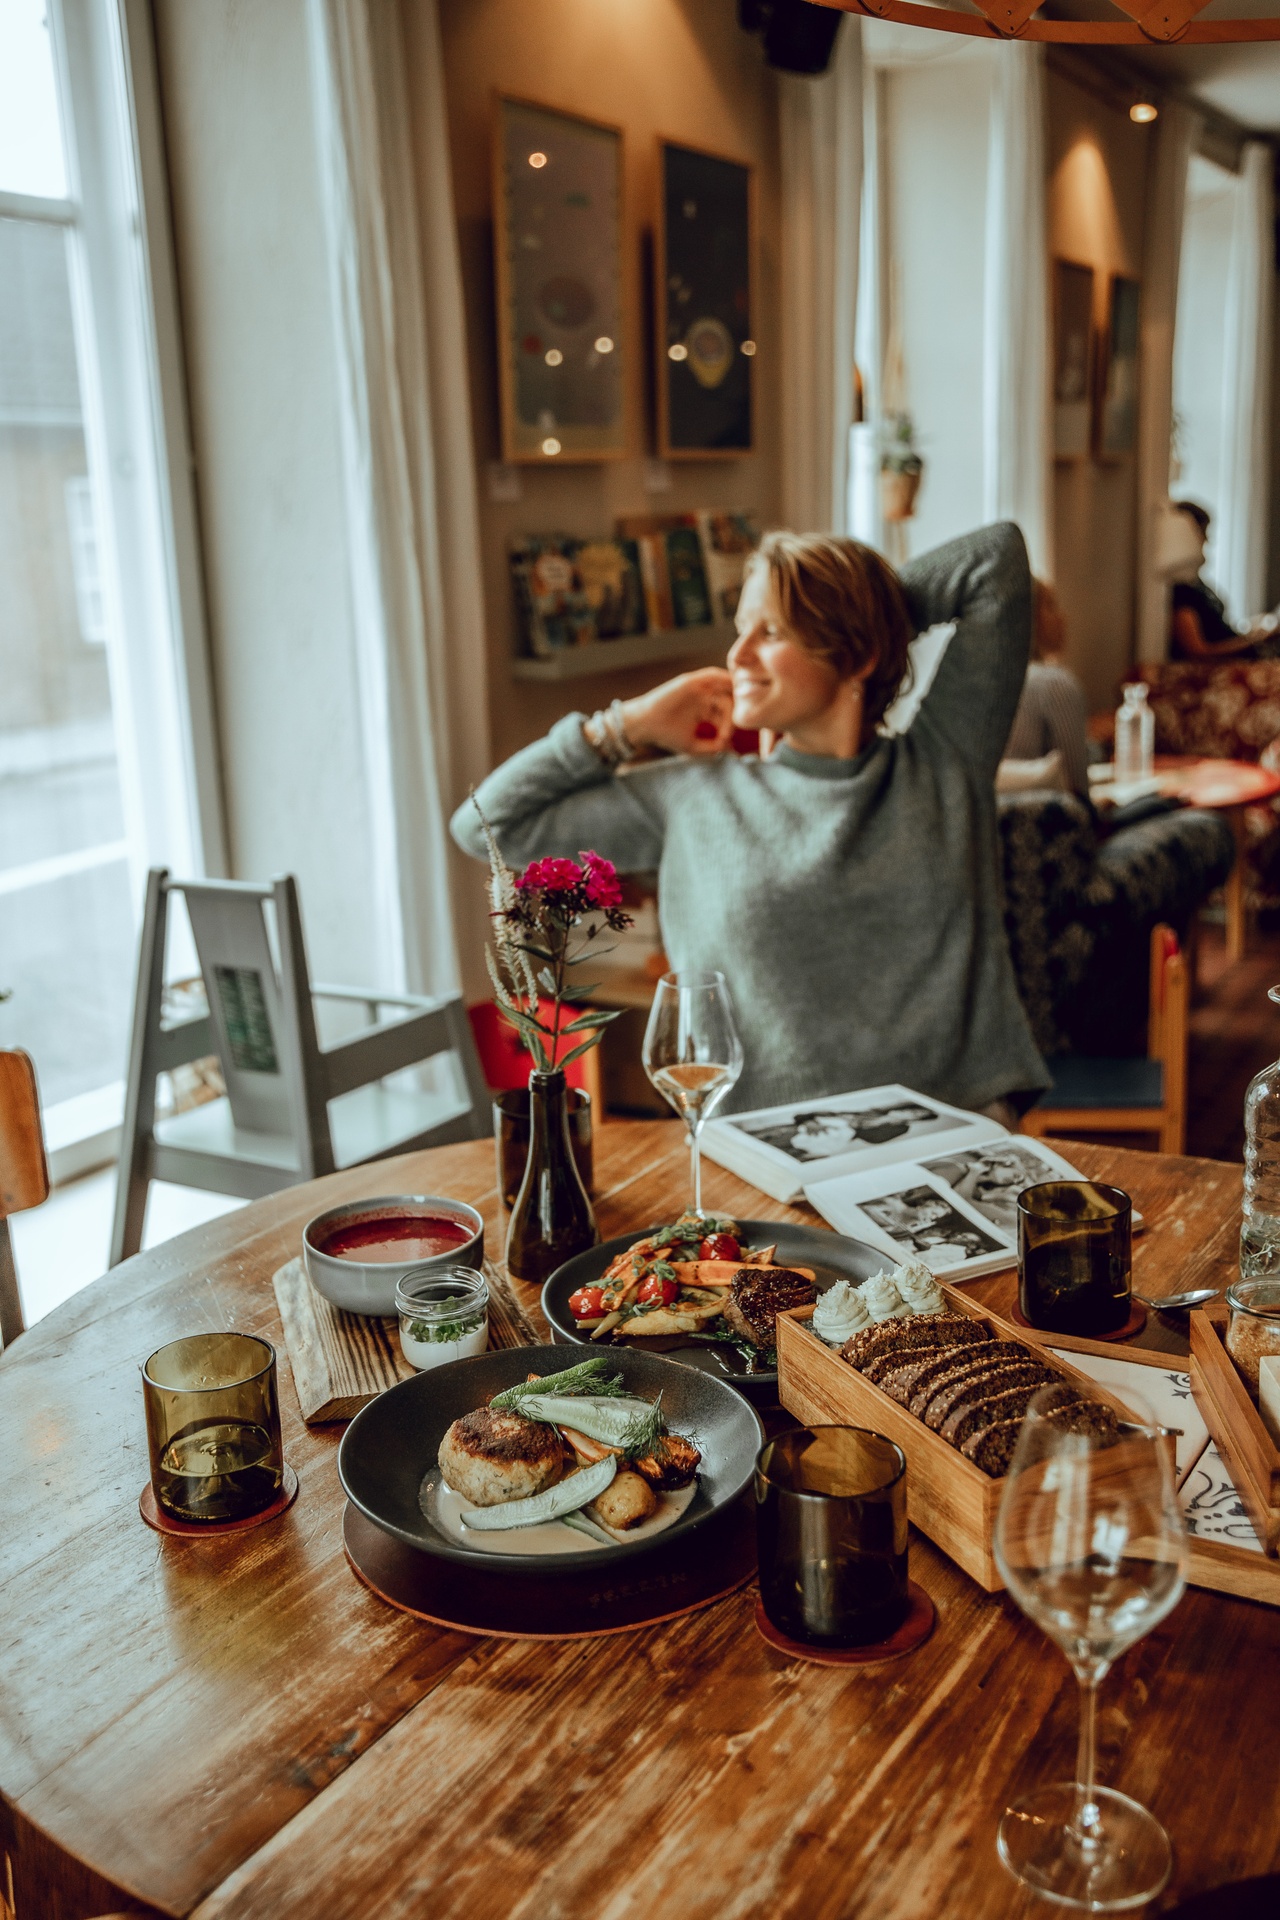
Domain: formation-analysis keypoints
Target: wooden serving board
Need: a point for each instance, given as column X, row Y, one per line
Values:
column 341, row 1361
column 950, row 1499
column 1251, row 1456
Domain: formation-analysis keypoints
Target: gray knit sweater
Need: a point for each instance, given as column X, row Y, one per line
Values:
column 853, row 905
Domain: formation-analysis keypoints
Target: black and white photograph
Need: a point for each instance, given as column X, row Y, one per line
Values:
column 990, row 1178
column 925, row 1225
column 819, row 1133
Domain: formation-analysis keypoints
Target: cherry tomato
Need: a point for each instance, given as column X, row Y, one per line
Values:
column 656, row 1288
column 720, row 1246
column 587, row 1304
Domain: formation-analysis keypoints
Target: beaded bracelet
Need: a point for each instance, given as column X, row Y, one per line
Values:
column 606, row 731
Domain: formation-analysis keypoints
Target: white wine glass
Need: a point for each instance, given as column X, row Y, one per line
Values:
column 1091, row 1544
column 692, row 1053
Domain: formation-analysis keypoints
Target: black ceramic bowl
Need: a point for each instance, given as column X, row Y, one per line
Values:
column 830, row 1255
column 392, row 1445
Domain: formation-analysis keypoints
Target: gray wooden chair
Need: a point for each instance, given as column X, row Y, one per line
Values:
column 24, row 1174
column 292, row 1109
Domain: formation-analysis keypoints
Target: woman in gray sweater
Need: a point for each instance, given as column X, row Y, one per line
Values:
column 847, row 883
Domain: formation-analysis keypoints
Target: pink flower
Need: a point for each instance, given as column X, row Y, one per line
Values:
column 603, row 890
column 550, row 876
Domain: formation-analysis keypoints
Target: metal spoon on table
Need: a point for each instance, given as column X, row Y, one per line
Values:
column 1179, row 1302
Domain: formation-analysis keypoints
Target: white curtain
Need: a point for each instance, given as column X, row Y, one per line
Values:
column 408, row 469
column 821, row 145
column 1244, row 501
column 1015, row 373
column 1162, row 247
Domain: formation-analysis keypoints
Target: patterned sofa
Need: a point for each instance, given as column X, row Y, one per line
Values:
column 1079, row 910
column 1229, row 709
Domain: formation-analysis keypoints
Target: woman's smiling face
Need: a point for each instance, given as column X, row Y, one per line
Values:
column 777, row 682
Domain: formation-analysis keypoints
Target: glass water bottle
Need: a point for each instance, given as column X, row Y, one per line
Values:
column 1260, row 1226
column 1135, row 735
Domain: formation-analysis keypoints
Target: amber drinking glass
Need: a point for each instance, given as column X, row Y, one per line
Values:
column 213, row 1426
column 511, row 1138
column 1074, row 1256
column 831, row 1528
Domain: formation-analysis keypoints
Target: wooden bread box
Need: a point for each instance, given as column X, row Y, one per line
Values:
column 1248, row 1451
column 948, row 1498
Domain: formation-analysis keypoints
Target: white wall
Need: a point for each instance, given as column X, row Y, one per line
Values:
column 1198, row 338
column 935, row 158
column 261, row 364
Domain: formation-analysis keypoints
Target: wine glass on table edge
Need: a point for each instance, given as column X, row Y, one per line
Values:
column 692, row 1053
column 1091, row 1544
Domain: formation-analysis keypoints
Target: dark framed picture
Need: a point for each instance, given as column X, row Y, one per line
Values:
column 1072, row 359
column 563, row 338
column 1117, row 425
column 704, row 339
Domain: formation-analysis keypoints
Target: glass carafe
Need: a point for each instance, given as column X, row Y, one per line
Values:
column 1134, row 755
column 1260, row 1225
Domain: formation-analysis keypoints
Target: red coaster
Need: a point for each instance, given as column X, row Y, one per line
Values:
column 914, row 1631
column 154, row 1515
column 1134, row 1324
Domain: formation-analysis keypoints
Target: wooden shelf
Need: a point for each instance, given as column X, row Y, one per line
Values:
column 633, row 650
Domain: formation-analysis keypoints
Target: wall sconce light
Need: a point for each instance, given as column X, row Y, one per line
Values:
column 1144, row 111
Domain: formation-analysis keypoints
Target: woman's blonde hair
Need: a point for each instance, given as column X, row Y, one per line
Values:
column 845, row 603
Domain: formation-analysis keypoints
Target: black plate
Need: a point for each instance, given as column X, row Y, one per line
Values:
column 831, row 1256
column 393, row 1443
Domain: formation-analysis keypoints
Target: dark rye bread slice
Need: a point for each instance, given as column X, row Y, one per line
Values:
column 987, row 1405
column 991, row 1448
column 902, row 1376
column 1020, row 1369
column 921, row 1330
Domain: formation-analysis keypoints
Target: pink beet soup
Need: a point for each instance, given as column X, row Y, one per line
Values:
column 396, row 1237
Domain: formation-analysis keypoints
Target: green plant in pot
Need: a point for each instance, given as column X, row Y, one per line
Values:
column 547, row 921
column 901, row 467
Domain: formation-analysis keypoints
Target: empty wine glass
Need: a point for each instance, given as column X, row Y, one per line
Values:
column 1091, row 1544
column 692, row 1053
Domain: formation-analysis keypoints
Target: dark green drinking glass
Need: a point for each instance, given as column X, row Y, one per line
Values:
column 213, row 1426
column 1074, row 1259
column 831, row 1530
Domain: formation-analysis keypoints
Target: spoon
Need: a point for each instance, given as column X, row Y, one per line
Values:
column 1180, row 1302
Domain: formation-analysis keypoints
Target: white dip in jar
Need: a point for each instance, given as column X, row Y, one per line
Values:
column 443, row 1316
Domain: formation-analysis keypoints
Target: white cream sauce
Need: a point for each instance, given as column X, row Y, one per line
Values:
column 445, row 1508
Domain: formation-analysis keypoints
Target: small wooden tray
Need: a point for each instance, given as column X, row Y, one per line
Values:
column 948, row 1498
column 341, row 1361
column 1251, row 1455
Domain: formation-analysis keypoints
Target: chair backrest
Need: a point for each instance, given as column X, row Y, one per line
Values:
column 24, row 1171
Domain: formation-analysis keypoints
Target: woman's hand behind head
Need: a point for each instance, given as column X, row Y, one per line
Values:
column 691, row 714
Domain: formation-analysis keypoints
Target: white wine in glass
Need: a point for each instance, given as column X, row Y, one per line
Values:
column 1091, row 1544
column 692, row 1053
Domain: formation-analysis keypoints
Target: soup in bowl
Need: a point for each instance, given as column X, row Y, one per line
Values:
column 356, row 1255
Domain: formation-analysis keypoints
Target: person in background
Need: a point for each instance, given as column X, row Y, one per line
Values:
column 1051, row 712
column 1201, row 630
column 847, row 886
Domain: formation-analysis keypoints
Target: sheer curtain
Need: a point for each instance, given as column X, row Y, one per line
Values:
column 821, row 141
column 409, row 474
column 1246, row 389
column 1015, row 372
column 1162, row 247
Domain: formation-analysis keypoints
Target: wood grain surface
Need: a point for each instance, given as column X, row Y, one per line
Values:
column 236, row 1728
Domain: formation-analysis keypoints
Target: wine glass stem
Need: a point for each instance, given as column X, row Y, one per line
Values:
column 695, row 1168
column 1087, row 1814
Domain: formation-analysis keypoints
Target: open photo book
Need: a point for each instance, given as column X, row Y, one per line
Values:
column 906, row 1174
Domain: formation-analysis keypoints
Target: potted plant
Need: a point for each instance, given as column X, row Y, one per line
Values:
column 900, row 467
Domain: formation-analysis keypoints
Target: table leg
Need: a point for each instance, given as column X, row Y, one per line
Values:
column 1234, row 892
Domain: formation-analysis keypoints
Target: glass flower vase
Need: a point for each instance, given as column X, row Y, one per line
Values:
column 551, row 1218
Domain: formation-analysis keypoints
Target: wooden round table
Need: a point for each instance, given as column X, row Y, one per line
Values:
column 235, row 1729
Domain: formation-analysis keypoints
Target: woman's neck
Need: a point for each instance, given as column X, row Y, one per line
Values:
column 837, row 732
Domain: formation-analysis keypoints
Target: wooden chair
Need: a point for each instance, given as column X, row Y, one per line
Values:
column 292, row 1109
column 24, row 1174
column 1130, row 1096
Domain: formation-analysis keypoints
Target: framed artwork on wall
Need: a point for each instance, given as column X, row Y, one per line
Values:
column 703, row 334
column 1117, row 423
column 563, row 338
column 1072, row 359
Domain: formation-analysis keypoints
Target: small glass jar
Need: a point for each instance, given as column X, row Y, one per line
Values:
column 1254, row 1331
column 443, row 1316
